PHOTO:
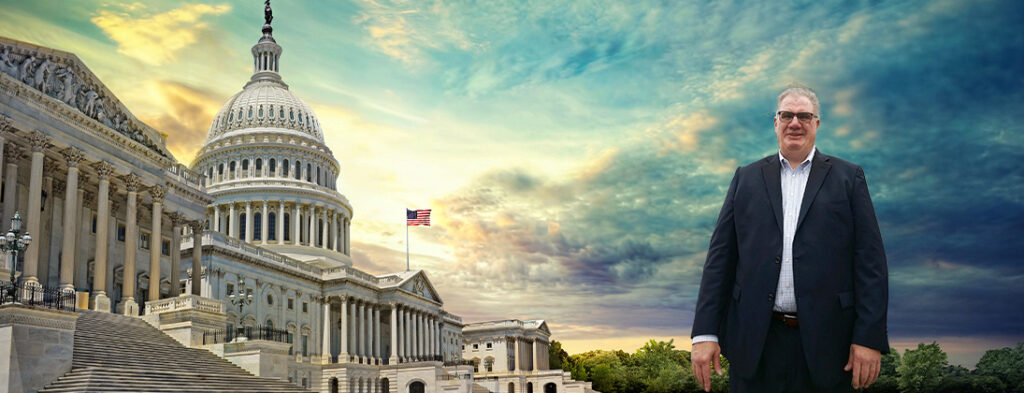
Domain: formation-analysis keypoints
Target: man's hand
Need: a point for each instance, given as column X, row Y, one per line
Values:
column 701, row 356
column 865, row 363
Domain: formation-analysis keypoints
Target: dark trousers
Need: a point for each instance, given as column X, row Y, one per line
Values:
column 782, row 367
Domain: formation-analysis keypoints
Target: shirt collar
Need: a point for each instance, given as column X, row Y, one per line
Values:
column 810, row 156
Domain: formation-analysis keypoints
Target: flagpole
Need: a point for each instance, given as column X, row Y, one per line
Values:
column 406, row 246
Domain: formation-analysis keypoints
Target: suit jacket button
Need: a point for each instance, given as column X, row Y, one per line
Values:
column 778, row 259
column 771, row 296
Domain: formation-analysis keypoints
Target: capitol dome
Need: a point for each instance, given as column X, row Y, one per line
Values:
column 274, row 181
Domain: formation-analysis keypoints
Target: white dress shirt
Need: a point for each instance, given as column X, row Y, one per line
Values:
column 794, row 182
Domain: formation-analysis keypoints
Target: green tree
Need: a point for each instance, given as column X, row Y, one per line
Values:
column 1007, row 364
column 920, row 370
column 557, row 357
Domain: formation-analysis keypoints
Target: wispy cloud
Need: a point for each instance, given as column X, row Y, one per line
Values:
column 155, row 38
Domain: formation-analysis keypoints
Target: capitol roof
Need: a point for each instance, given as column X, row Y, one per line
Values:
column 265, row 103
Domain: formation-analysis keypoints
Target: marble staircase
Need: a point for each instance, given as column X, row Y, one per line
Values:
column 114, row 353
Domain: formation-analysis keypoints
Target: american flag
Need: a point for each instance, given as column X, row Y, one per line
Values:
column 417, row 217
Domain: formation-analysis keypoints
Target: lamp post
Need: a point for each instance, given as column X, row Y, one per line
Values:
column 11, row 243
column 241, row 298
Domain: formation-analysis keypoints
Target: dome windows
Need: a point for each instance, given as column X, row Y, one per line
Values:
column 261, row 111
column 250, row 112
column 282, row 113
column 284, row 168
column 291, row 114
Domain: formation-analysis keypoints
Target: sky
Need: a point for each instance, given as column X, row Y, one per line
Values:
column 576, row 153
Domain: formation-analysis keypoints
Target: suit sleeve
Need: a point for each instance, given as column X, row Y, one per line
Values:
column 871, row 278
column 719, row 271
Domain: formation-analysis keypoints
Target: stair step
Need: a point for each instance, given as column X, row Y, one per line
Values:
column 115, row 353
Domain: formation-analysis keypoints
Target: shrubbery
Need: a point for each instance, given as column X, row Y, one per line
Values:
column 659, row 367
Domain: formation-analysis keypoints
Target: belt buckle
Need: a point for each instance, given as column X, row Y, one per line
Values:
column 788, row 316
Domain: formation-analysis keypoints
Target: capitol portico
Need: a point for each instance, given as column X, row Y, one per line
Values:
column 255, row 236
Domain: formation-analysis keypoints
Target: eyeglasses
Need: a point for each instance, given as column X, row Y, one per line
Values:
column 805, row 117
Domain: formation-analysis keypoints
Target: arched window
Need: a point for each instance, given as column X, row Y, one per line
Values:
column 231, row 169
column 489, row 364
column 245, row 164
column 511, row 387
column 220, row 169
column 270, row 302
column 241, row 226
column 257, row 226
column 250, row 112
column 261, row 111
column 273, row 166
column 271, row 227
column 259, row 165
column 298, row 170
column 284, row 168
column 271, row 111
column 210, row 174
column 385, row 385
column 550, row 387
column 287, row 227
column 231, row 116
column 309, row 172
column 291, row 115
column 417, row 387
column 529, row 387
column 334, row 385
column 282, row 113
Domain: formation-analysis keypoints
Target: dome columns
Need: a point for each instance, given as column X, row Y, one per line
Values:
column 274, row 222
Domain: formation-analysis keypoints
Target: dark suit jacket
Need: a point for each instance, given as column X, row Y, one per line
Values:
column 839, row 268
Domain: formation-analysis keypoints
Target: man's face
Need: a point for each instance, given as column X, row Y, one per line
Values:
column 796, row 137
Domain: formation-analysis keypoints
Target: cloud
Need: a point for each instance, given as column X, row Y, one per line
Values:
column 406, row 30
column 155, row 39
column 185, row 118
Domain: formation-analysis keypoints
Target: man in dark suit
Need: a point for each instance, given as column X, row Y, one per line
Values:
column 795, row 287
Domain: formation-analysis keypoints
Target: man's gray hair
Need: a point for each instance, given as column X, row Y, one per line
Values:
column 803, row 92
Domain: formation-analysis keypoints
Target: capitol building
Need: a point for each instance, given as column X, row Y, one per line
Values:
column 233, row 273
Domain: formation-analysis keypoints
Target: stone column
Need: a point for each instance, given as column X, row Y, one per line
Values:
column 67, row 257
column 399, row 323
column 362, row 331
column 297, row 233
column 325, row 351
column 197, row 257
column 264, row 229
column 334, row 231
column 420, row 336
column 376, row 333
column 311, row 233
column 232, row 221
column 156, row 243
column 326, row 233
column 515, row 364
column 177, row 219
column 216, row 219
column 344, row 330
column 128, row 306
column 347, row 249
column 12, row 154
column 248, row 222
column 279, row 235
column 39, row 143
column 353, row 331
column 393, row 356
column 409, row 338
column 431, row 337
column 534, row 346
column 100, row 301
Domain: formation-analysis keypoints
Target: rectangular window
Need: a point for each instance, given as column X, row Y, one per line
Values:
column 144, row 240
column 291, row 303
column 305, row 307
column 291, row 348
column 476, row 346
column 305, row 345
column 165, row 247
column 120, row 232
column 93, row 223
column 230, row 289
column 488, row 345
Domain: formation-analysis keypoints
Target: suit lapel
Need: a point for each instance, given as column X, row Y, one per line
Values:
column 820, row 167
column 773, row 184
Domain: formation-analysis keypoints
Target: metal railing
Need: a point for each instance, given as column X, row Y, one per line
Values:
column 252, row 333
column 460, row 362
column 37, row 296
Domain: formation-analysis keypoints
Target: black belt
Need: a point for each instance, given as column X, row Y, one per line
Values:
column 789, row 319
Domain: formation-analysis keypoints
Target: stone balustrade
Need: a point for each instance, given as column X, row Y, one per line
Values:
column 186, row 303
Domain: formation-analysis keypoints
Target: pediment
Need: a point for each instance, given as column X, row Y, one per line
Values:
column 419, row 284
column 64, row 78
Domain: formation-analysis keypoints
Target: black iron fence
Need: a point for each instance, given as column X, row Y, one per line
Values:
column 36, row 296
column 258, row 332
column 460, row 362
